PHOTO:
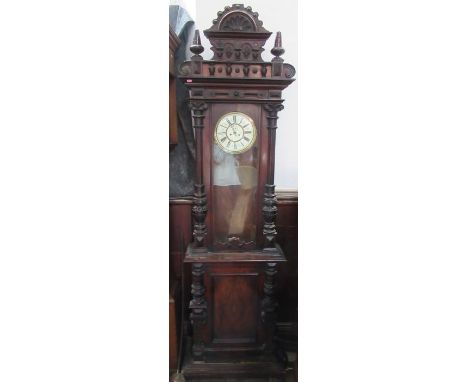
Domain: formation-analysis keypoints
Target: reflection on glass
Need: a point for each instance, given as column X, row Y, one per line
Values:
column 234, row 190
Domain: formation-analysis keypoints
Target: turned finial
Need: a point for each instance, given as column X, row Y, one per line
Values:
column 196, row 46
column 277, row 50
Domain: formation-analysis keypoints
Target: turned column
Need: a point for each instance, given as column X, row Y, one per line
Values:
column 199, row 208
column 269, row 305
column 198, row 108
column 269, row 197
column 198, row 309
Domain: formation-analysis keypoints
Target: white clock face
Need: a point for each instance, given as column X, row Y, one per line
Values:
column 235, row 132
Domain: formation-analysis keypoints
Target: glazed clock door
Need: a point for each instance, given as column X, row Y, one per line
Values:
column 235, row 169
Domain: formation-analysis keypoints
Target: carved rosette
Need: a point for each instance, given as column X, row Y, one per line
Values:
column 238, row 18
column 289, row 70
column 269, row 302
column 198, row 305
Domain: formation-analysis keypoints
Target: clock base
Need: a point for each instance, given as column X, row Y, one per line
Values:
column 232, row 314
column 259, row 368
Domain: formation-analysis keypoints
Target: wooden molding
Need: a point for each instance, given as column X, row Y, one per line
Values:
column 283, row 196
column 287, row 196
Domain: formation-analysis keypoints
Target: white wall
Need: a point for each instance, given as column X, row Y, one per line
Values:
column 275, row 18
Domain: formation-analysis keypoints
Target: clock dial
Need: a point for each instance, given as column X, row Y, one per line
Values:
column 235, row 132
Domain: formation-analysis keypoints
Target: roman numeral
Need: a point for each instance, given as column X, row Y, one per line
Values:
column 234, row 118
column 247, row 139
column 223, row 139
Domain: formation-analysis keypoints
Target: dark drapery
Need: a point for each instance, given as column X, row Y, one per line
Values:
column 182, row 156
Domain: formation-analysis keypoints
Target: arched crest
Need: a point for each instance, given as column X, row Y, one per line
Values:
column 235, row 16
column 237, row 35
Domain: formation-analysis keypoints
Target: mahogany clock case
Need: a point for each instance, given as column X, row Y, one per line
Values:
column 234, row 257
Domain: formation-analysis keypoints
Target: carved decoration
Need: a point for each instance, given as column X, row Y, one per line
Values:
column 289, row 70
column 238, row 18
column 198, row 305
column 269, row 303
column 228, row 50
column 235, row 243
column 272, row 110
column 237, row 34
column 277, row 49
column 212, row 69
column 277, row 61
column 199, row 208
column 269, row 210
column 196, row 46
column 239, row 51
column 237, row 22
column 241, row 94
column 246, row 50
column 185, row 69
column 197, row 49
column 199, row 211
column 198, row 113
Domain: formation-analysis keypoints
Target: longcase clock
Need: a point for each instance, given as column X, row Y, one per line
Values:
column 234, row 98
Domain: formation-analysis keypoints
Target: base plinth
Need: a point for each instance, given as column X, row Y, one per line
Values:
column 260, row 368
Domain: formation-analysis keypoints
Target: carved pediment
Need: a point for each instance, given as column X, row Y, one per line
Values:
column 237, row 18
column 237, row 22
column 237, row 35
column 237, row 40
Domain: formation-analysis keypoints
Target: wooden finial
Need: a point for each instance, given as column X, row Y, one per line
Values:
column 196, row 47
column 277, row 50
